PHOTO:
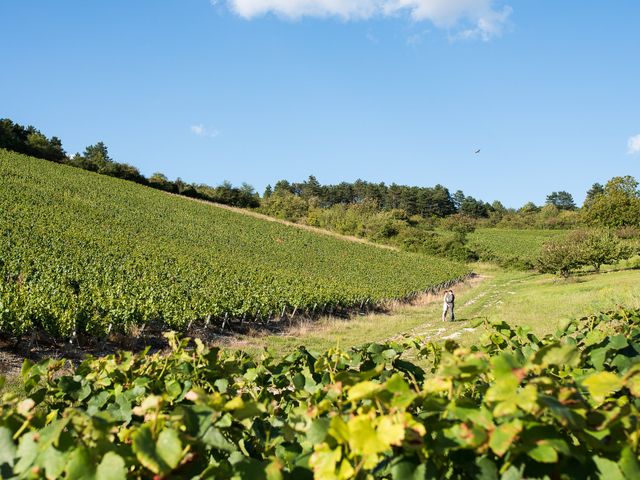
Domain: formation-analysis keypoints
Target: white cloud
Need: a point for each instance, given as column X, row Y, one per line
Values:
column 488, row 25
column 346, row 9
column 203, row 131
column 480, row 19
column 634, row 145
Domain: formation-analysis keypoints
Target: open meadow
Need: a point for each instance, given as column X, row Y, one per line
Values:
column 540, row 302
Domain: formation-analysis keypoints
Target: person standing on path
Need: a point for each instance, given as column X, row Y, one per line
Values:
column 447, row 306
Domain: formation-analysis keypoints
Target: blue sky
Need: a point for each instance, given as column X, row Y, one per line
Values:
column 384, row 90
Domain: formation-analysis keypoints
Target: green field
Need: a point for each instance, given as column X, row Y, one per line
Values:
column 541, row 302
column 511, row 248
column 80, row 252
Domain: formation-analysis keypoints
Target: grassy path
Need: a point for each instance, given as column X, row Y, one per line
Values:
column 519, row 298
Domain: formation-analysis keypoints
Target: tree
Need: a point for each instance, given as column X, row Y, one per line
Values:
column 247, row 189
column 595, row 190
column 180, row 185
column 286, row 206
column 246, row 196
column 561, row 200
column 601, row 247
column 30, row 141
column 161, row 182
column 560, row 257
column 55, row 151
column 9, row 136
column 498, row 207
column 267, row 192
column 443, row 204
column 124, row 171
column 459, row 223
column 311, row 188
column 529, row 208
column 582, row 248
column 627, row 185
column 549, row 211
column 617, row 206
column 94, row 158
column 393, row 196
column 458, row 198
column 97, row 153
column 282, row 187
column 473, row 208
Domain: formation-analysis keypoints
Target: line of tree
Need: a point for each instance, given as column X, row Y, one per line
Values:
column 614, row 205
column 423, row 201
column 95, row 158
column 30, row 141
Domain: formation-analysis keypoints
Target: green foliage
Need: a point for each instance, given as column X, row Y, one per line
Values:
column 84, row 253
column 617, row 205
column 161, row 182
column 529, row 208
column 595, row 190
column 560, row 256
column 454, row 245
column 451, row 242
column 243, row 196
column 97, row 155
column 561, row 200
column 471, row 207
column 601, row 247
column 96, row 159
column 366, row 220
column 30, row 141
column 582, row 248
column 628, row 233
column 516, row 246
column 460, row 224
column 285, row 206
column 564, row 406
column 422, row 201
column 446, row 244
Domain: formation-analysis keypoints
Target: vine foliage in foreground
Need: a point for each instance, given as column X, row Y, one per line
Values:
column 564, row 406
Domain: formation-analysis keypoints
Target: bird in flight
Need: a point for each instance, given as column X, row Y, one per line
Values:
column 477, row 151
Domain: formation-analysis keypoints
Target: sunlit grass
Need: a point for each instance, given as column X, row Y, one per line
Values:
column 541, row 302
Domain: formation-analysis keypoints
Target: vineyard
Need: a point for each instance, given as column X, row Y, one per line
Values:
column 565, row 406
column 84, row 253
column 511, row 248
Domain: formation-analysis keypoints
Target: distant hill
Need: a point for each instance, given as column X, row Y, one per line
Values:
column 87, row 253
